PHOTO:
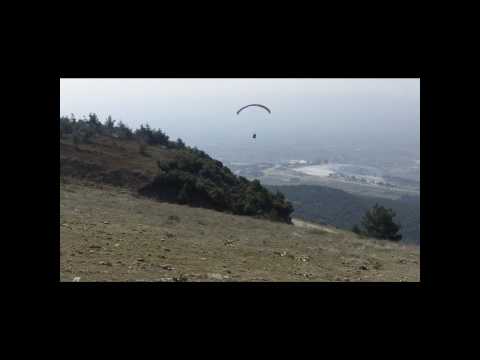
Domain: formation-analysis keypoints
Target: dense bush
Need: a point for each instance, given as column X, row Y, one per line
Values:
column 152, row 136
column 196, row 179
column 378, row 223
column 122, row 131
column 180, row 144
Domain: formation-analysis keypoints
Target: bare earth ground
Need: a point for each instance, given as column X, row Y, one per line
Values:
column 110, row 234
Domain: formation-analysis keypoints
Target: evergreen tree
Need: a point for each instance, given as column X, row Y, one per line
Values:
column 378, row 223
column 123, row 131
column 94, row 123
column 180, row 144
column 109, row 123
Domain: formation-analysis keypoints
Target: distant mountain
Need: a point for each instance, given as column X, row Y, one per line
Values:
column 336, row 207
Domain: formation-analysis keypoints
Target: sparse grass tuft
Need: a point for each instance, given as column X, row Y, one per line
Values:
column 318, row 232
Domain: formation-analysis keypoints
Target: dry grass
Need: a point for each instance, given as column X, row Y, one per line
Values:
column 110, row 234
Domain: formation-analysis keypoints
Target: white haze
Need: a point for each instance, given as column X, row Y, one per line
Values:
column 306, row 113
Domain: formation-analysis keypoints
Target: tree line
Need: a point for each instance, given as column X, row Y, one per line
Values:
column 85, row 129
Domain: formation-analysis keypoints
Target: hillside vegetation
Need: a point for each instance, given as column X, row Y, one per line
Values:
column 336, row 207
column 147, row 161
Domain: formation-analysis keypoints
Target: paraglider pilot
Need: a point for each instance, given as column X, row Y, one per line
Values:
column 254, row 136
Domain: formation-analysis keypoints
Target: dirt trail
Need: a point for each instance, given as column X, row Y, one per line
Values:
column 308, row 225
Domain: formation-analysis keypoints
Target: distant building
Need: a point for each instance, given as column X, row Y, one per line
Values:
column 297, row 162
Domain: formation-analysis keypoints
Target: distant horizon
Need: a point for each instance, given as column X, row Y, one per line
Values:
column 340, row 114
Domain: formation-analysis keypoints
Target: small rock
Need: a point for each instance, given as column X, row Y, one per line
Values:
column 166, row 249
column 106, row 263
column 182, row 277
column 140, row 259
column 303, row 258
column 117, row 245
column 167, row 267
column 76, row 279
column 215, row 276
column 95, row 247
column 306, row 275
column 204, row 258
column 363, row 267
column 106, row 222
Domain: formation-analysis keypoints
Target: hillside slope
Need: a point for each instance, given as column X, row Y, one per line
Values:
column 336, row 207
column 169, row 173
column 112, row 234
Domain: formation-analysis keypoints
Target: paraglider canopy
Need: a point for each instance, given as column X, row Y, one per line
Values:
column 258, row 105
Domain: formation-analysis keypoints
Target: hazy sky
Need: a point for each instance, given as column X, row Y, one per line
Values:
column 204, row 110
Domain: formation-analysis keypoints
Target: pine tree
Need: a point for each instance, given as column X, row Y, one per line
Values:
column 378, row 223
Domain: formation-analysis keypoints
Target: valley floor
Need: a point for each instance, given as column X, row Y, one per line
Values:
column 111, row 234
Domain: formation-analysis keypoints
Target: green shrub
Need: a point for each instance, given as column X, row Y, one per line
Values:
column 356, row 229
column 378, row 223
column 206, row 182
